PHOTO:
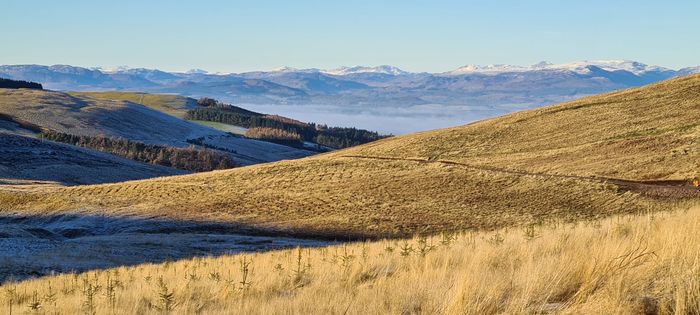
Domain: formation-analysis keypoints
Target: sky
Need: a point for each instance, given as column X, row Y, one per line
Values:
column 430, row 36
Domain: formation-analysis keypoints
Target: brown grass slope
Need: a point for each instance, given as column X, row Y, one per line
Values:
column 91, row 116
column 484, row 175
column 174, row 105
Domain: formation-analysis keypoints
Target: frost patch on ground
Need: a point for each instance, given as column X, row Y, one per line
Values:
column 38, row 246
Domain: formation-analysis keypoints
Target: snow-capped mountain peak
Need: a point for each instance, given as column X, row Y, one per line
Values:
column 582, row 67
column 112, row 69
column 497, row 68
column 635, row 67
column 287, row 69
column 383, row 69
column 197, row 71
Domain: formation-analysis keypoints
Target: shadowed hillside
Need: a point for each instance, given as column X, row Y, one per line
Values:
column 26, row 160
column 458, row 178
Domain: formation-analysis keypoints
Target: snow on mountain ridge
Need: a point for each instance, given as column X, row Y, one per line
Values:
column 689, row 70
column 581, row 67
column 493, row 68
column 612, row 65
column 383, row 69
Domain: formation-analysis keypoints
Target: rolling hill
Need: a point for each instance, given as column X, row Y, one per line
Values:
column 25, row 160
column 237, row 120
column 621, row 152
column 171, row 104
column 101, row 114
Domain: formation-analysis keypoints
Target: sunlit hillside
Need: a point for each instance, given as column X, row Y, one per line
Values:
column 579, row 160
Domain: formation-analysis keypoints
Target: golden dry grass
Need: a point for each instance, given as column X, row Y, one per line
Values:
column 416, row 184
column 644, row 264
column 344, row 197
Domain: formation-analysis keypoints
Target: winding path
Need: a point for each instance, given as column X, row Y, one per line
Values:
column 674, row 189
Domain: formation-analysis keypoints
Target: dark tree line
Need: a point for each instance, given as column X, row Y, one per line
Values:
column 233, row 117
column 19, row 84
column 334, row 137
column 338, row 137
column 278, row 136
column 189, row 159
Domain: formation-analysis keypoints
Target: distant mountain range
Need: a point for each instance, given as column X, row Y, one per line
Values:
column 471, row 85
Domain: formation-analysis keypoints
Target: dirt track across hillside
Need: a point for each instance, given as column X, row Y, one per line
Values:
column 671, row 189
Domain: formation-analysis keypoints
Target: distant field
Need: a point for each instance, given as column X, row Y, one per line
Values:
column 451, row 179
column 223, row 127
column 174, row 105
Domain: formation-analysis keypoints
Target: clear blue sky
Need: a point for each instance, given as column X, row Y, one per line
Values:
column 434, row 36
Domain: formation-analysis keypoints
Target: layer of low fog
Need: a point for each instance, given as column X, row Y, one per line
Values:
column 386, row 120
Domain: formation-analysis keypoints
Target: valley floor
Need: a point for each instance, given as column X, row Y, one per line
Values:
column 644, row 264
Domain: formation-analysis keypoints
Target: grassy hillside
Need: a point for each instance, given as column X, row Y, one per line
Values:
column 234, row 119
column 27, row 160
column 83, row 115
column 88, row 116
column 527, row 167
column 627, row 265
column 174, row 105
column 170, row 104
